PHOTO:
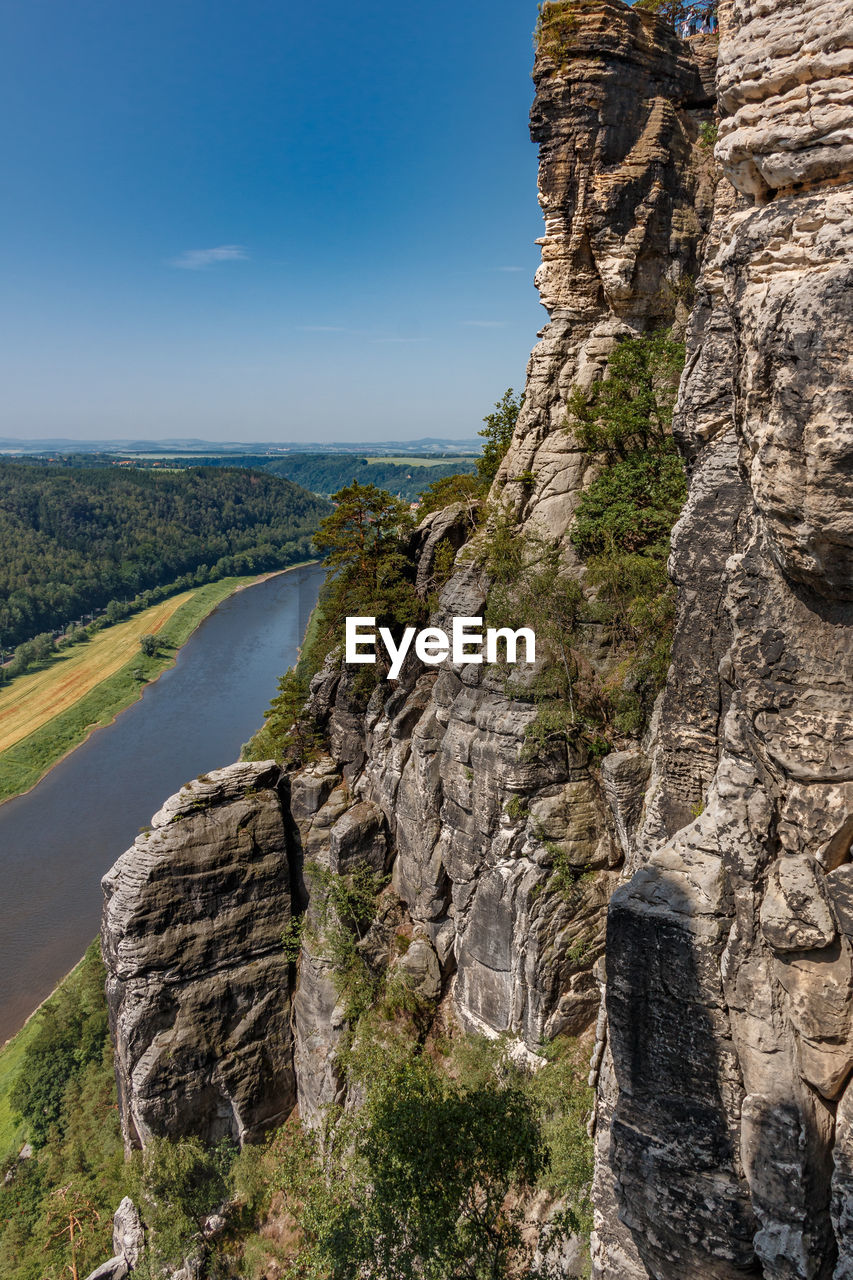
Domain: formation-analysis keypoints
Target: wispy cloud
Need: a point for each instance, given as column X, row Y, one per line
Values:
column 323, row 328
column 200, row 259
column 510, row 268
column 485, row 324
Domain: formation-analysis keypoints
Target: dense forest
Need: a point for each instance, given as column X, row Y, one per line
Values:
column 326, row 473
column 73, row 540
column 322, row 473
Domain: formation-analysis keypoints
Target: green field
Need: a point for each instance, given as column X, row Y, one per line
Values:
column 23, row 764
column 403, row 461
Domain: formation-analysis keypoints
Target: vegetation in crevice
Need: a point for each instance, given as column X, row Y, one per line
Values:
column 625, row 517
column 621, row 535
column 556, row 29
column 342, row 909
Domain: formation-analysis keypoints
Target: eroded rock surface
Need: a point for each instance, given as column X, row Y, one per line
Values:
column 724, row 1140
column 197, row 980
column 627, row 193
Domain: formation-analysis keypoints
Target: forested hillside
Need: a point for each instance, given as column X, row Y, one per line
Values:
column 74, row 539
column 322, row 473
column 326, row 473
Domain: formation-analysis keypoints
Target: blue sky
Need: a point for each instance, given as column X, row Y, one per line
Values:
column 247, row 219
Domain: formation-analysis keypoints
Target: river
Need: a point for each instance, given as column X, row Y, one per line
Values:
column 58, row 840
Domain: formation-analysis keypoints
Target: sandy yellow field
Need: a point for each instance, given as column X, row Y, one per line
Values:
column 32, row 700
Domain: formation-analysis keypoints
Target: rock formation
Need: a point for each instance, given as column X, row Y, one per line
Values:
column 128, row 1244
column 725, row 1107
column 627, row 196
column 197, row 981
column 722, row 842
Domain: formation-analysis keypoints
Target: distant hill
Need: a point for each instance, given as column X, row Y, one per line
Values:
column 425, row 444
column 326, row 473
column 75, row 539
column 405, row 476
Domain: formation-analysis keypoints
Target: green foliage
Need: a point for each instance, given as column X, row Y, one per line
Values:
column 65, row 1090
column 365, row 542
column 556, row 29
column 516, row 808
column 325, row 473
column 415, row 1184
column 708, row 133
column 365, row 547
column 183, row 1183
column 287, row 732
column 564, row 1101
column 625, row 517
column 442, row 567
column 342, row 909
column 148, row 645
column 622, row 530
column 498, row 433
column 532, row 585
column 78, row 539
column 72, row 1032
column 632, row 504
column 464, row 487
column 631, row 409
column 291, row 938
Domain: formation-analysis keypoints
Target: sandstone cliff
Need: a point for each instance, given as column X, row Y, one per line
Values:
column 423, row 780
column 722, row 841
column 730, row 988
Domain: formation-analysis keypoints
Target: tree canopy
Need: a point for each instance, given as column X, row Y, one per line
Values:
column 78, row 539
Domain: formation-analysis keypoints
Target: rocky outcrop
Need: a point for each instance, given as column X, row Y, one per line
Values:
column 724, row 1051
column 627, row 192
column 501, row 860
column 786, row 87
column 723, row 1126
column 197, row 982
column 128, row 1244
column 475, row 822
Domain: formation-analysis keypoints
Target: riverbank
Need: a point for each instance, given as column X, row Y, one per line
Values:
column 58, row 841
column 108, row 674
column 13, row 1132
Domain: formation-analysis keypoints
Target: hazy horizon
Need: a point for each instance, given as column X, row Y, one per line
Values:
column 267, row 223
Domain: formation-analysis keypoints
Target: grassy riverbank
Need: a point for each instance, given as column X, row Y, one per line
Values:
column 12, row 1128
column 37, row 697
column 107, row 675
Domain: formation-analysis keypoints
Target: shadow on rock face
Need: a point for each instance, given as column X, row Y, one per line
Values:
column 712, row 1181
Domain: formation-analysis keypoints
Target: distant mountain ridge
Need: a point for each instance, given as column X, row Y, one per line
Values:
column 59, row 444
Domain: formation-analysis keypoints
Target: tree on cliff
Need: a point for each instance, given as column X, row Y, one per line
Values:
column 422, row 1181
column 365, row 545
column 678, row 12
column 500, row 425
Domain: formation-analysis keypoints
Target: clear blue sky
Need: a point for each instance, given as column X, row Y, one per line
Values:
column 362, row 171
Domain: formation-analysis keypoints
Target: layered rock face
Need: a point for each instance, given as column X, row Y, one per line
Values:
column 627, row 196
column 431, row 782
column 197, row 981
column 725, row 1104
column 474, row 823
